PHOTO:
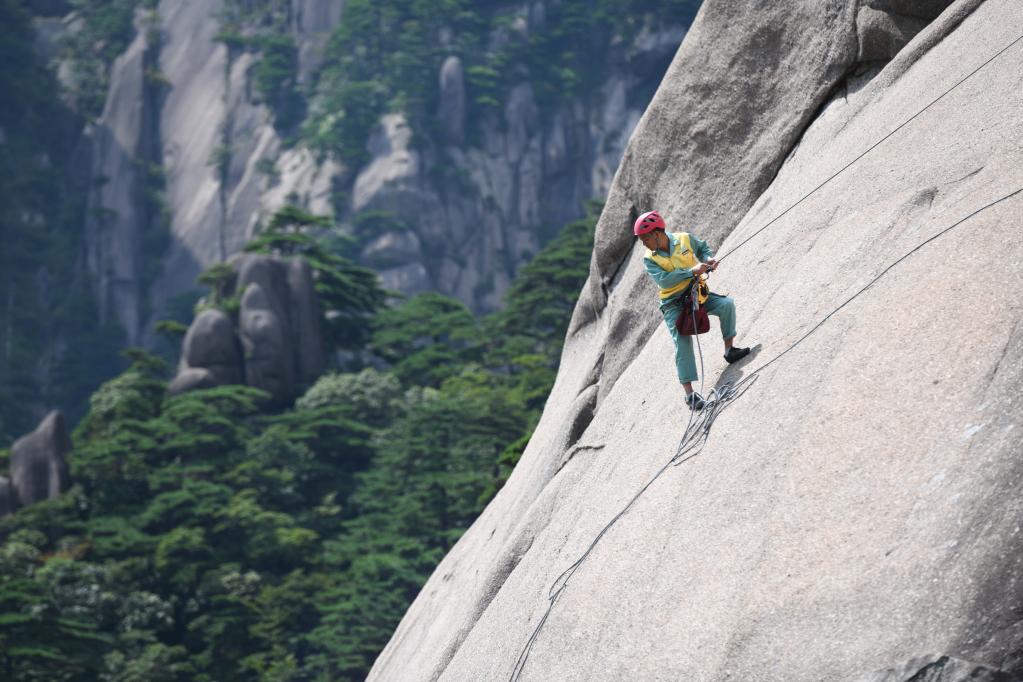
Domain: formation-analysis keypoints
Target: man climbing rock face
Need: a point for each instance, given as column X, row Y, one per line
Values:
column 675, row 260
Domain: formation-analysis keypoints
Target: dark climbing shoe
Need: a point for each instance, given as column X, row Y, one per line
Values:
column 735, row 354
column 695, row 401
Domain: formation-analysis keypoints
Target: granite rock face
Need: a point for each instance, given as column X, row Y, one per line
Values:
column 276, row 344
column 8, row 497
column 939, row 669
column 211, row 142
column 39, row 469
column 113, row 229
column 451, row 109
column 856, row 506
column 472, row 210
column 211, row 343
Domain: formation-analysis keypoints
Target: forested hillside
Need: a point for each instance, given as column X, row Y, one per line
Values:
column 205, row 539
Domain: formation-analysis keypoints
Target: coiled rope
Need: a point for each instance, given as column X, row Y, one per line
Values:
column 697, row 430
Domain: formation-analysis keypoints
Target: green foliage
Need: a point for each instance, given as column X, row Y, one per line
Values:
column 369, row 223
column 264, row 28
column 142, row 658
column 412, row 504
column 344, row 118
column 276, row 79
column 47, row 631
column 106, row 27
column 426, row 338
column 136, row 394
column 370, row 397
column 268, row 167
column 206, row 538
column 218, row 277
column 41, row 223
column 172, row 330
column 383, row 57
column 540, row 301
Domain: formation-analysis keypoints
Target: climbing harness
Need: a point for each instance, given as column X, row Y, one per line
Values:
column 697, row 430
column 693, row 319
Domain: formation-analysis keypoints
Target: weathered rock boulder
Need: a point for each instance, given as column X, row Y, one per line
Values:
column 39, row 469
column 8, row 497
column 210, row 354
column 451, row 107
column 857, row 505
column 276, row 344
column 191, row 379
column 304, row 317
column 267, row 361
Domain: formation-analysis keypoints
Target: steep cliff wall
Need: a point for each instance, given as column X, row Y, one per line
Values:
column 855, row 507
column 462, row 209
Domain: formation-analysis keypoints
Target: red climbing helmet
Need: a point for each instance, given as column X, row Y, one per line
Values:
column 648, row 222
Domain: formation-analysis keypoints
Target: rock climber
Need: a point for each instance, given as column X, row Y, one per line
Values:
column 673, row 260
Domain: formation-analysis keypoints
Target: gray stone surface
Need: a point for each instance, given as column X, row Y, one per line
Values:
column 882, row 34
column 938, row 668
column 304, row 322
column 277, row 344
column 38, row 468
column 192, row 379
column 858, row 504
column 211, row 343
column 486, row 206
column 314, row 22
column 451, row 107
column 205, row 115
column 8, row 497
column 265, row 344
column 112, row 228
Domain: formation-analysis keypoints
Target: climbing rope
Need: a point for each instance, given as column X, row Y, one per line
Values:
column 697, row 430
column 869, row 149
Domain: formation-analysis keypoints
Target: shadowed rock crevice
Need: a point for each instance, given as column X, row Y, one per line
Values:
column 939, row 668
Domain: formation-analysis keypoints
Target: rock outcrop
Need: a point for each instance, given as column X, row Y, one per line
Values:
column 451, row 110
column 466, row 212
column 38, row 468
column 210, row 354
column 939, row 669
column 855, row 507
column 8, row 497
column 120, row 142
column 472, row 213
column 276, row 343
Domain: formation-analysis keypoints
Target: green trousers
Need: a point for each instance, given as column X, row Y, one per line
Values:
column 723, row 307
